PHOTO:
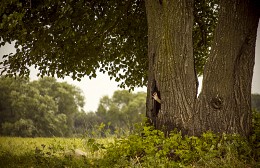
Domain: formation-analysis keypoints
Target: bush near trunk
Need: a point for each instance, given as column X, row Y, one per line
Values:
column 150, row 148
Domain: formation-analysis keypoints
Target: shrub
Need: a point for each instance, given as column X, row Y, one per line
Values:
column 150, row 148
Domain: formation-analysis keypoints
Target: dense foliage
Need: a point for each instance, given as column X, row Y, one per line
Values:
column 150, row 148
column 153, row 149
column 39, row 108
column 46, row 107
column 78, row 38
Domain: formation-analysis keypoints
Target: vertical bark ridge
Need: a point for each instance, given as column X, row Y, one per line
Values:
column 242, row 97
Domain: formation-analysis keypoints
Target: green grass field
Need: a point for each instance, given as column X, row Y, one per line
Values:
column 47, row 152
column 149, row 151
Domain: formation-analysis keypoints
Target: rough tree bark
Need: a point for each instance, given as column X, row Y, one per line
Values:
column 171, row 64
column 224, row 103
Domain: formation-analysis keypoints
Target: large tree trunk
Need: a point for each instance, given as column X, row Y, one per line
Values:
column 224, row 103
column 171, row 63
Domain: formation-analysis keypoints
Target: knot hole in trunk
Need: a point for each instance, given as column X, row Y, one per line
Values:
column 217, row 102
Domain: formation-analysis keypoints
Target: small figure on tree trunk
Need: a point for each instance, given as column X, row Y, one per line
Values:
column 156, row 106
column 155, row 97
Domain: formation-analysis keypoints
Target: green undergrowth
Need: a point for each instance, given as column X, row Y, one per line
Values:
column 152, row 149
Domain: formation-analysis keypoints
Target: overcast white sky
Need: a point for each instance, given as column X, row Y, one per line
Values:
column 94, row 89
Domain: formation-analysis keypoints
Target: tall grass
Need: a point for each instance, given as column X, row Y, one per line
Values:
column 47, row 152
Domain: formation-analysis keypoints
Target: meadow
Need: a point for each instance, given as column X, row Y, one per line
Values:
column 151, row 149
column 49, row 152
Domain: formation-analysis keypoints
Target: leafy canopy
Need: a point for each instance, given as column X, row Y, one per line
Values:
column 77, row 38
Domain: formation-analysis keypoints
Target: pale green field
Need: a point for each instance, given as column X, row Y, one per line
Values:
column 48, row 152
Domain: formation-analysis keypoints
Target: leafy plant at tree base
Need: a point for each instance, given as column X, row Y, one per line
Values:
column 150, row 148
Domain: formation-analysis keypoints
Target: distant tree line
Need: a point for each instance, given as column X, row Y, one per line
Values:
column 48, row 108
column 116, row 115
